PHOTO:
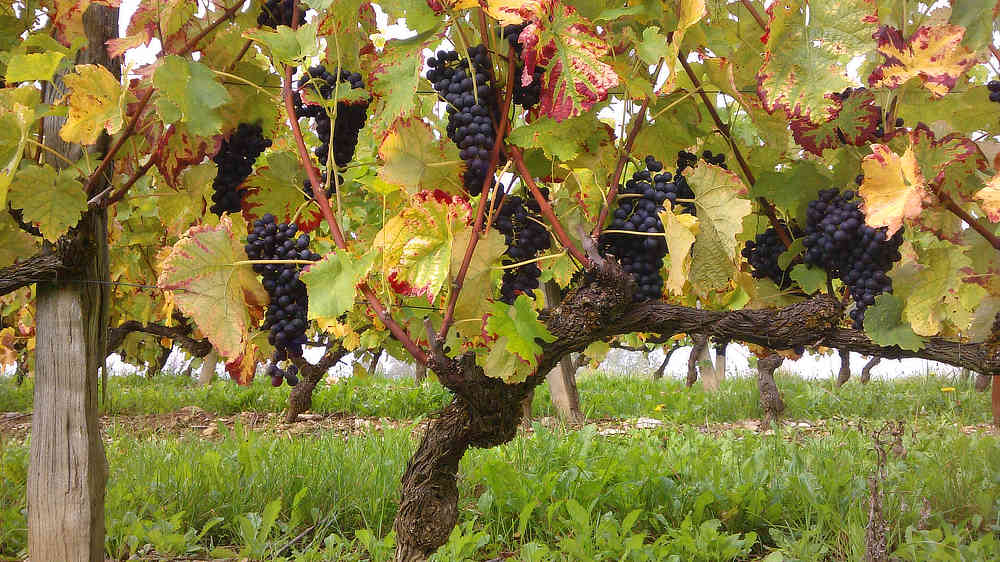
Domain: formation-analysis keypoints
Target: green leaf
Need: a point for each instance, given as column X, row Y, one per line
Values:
column 331, row 283
column 415, row 160
column 52, row 200
column 33, row 66
column 96, row 104
column 653, row 47
column 15, row 244
column 17, row 113
column 977, row 17
column 721, row 210
column 180, row 208
column 793, row 187
column 189, row 93
column 209, row 288
column 811, row 279
column 395, row 80
column 288, row 45
column 561, row 140
column 884, row 324
column 932, row 288
column 520, row 326
column 478, row 279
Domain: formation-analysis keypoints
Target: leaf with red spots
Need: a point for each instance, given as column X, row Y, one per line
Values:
column 935, row 54
column 416, row 244
column 808, row 48
column 276, row 187
column 570, row 48
column 989, row 197
column 167, row 20
column 854, row 122
column 949, row 162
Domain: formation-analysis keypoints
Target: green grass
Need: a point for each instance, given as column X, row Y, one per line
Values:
column 602, row 396
column 548, row 496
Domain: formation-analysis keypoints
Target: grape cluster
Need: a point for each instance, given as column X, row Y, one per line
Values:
column 350, row 120
column 763, row 251
column 638, row 205
column 994, row 87
column 525, row 96
column 519, row 222
column 235, row 162
column 838, row 240
column 278, row 12
column 471, row 108
column 286, row 313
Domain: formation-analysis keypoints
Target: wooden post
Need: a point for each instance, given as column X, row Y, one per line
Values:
column 207, row 373
column 562, row 379
column 67, row 469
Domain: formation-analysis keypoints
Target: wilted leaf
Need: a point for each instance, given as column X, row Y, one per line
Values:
column 680, row 230
column 222, row 298
column 933, row 53
column 720, row 219
column 96, row 104
column 52, row 200
column 990, row 198
column 893, row 188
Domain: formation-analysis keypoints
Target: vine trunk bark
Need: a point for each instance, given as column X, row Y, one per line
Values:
column 698, row 350
column 658, row 374
column 562, row 380
column 770, row 398
column 67, row 469
column 844, row 374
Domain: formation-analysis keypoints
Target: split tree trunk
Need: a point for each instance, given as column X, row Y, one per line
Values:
column 844, row 374
column 207, row 373
column 770, row 398
column 562, row 380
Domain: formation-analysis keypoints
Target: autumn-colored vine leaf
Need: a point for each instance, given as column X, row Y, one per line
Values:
column 50, row 199
column 520, row 328
column 179, row 148
column 570, row 49
column 331, row 282
column 721, row 210
column 17, row 113
column 276, row 187
column 415, row 159
column 190, row 94
column 932, row 288
column 221, row 297
column 416, row 244
column 989, row 196
column 950, row 162
column 808, row 46
column 166, row 20
column 680, row 231
column 884, row 324
column 893, row 188
column 96, row 102
column 479, row 284
column 181, row 208
column 854, row 122
column 394, row 82
column 935, row 54
column 33, row 66
column 507, row 12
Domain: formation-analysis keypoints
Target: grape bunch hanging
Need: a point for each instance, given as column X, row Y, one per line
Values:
column 838, row 240
column 235, row 162
column 521, row 225
column 464, row 84
column 994, row 87
column 763, row 251
column 287, row 311
column 279, row 12
column 525, row 96
column 344, row 131
column 641, row 248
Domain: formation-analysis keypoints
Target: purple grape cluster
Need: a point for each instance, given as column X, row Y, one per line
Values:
column 763, row 251
column 471, row 108
column 235, row 162
column 838, row 240
column 286, row 315
column 521, row 224
column 279, row 12
column 351, row 117
column 641, row 251
column 525, row 96
column 994, row 87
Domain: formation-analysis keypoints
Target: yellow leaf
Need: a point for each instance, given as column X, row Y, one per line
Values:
column 96, row 103
column 933, row 53
column 990, row 196
column 415, row 160
column 893, row 188
column 680, row 230
column 720, row 218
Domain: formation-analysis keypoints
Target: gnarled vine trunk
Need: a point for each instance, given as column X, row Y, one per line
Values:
column 844, row 374
column 770, row 398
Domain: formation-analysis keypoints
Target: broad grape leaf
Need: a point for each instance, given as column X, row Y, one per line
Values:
column 189, row 93
column 562, row 140
column 15, row 243
column 932, row 288
column 17, row 113
column 808, row 48
column 853, row 122
column 394, row 82
column 331, row 283
column 288, row 45
column 990, row 198
column 51, row 200
column 893, row 189
column 977, row 17
column 570, row 49
column 680, row 231
column 418, row 14
column 415, row 160
column 417, row 243
column 179, row 148
column 885, row 325
column 500, row 363
column 519, row 326
column 180, row 208
column 96, row 103
column 33, row 66
column 935, row 54
column 810, row 279
column 721, row 211
column 276, row 187
column 221, row 297
column 949, row 162
column 793, row 187
column 473, row 300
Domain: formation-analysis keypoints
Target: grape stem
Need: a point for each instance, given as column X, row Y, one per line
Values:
column 373, row 301
column 755, row 14
column 626, row 153
column 724, row 129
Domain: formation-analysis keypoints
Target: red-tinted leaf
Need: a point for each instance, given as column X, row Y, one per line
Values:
column 853, row 122
column 933, row 53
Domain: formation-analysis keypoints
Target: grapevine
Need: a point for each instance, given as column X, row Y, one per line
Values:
column 235, row 161
column 518, row 220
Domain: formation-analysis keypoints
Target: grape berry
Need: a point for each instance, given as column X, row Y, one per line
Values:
column 994, row 87
column 235, row 162
column 351, row 117
column 519, row 221
column 763, row 251
column 286, row 313
column 471, row 108
column 278, row 12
